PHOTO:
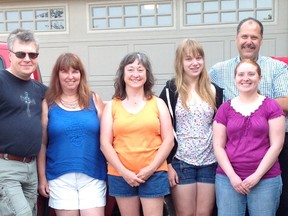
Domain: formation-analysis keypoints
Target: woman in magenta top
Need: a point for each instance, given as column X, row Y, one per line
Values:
column 248, row 135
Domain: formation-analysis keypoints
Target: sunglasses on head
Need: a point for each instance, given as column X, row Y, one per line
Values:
column 22, row 55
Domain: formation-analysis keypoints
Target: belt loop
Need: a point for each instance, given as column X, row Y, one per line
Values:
column 6, row 157
column 24, row 160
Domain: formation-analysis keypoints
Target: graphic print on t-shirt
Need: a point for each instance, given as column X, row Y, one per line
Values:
column 28, row 102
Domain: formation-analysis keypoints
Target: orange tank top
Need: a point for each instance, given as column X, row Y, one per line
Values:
column 136, row 137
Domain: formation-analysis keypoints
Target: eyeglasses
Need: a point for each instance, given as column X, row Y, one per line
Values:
column 22, row 55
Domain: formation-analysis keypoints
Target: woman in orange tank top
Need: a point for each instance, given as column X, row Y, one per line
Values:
column 136, row 138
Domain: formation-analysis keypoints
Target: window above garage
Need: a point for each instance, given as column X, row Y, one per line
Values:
column 49, row 19
column 161, row 13
column 205, row 12
column 131, row 15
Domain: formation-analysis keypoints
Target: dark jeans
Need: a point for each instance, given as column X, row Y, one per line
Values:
column 283, row 159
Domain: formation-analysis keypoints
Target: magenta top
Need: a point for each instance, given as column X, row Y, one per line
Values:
column 248, row 137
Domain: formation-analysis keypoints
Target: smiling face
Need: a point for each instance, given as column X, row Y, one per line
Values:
column 249, row 40
column 69, row 79
column 135, row 75
column 23, row 67
column 193, row 66
column 247, row 77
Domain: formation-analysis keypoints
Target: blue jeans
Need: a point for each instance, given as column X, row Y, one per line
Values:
column 263, row 199
column 18, row 188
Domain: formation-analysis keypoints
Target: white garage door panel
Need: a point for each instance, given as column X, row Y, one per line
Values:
column 161, row 56
column 103, row 64
column 47, row 59
column 214, row 52
column 105, row 59
column 105, row 92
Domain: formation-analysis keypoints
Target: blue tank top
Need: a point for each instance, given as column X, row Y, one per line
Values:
column 74, row 143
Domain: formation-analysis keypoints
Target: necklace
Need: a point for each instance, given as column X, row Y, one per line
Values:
column 70, row 104
column 135, row 101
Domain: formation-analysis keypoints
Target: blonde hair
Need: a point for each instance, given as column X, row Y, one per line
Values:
column 192, row 48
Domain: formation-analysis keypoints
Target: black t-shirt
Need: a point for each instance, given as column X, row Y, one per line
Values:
column 20, row 115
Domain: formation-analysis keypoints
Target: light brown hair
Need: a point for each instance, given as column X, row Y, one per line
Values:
column 193, row 48
column 63, row 63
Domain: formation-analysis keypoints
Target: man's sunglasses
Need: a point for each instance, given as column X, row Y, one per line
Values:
column 22, row 55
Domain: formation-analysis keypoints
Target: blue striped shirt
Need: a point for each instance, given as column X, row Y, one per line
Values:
column 274, row 82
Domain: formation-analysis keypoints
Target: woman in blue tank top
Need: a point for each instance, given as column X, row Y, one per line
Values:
column 71, row 167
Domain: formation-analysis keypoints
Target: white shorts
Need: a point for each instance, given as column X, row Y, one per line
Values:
column 74, row 191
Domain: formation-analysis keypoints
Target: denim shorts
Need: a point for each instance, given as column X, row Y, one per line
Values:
column 188, row 174
column 156, row 186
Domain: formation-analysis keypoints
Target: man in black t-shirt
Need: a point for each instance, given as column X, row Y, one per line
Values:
column 20, row 126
